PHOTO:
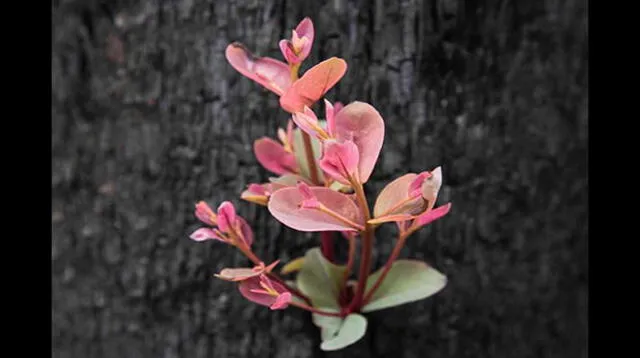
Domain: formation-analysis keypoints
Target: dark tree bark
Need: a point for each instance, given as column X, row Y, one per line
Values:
column 148, row 118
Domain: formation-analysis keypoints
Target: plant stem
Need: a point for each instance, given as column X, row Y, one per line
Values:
column 367, row 245
column 350, row 260
column 387, row 267
column 308, row 152
column 315, row 310
column 326, row 240
column 244, row 248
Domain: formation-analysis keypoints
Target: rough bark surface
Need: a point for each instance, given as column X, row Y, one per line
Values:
column 148, row 118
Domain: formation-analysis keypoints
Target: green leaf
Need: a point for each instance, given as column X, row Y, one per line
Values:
column 320, row 279
column 407, row 281
column 301, row 156
column 352, row 329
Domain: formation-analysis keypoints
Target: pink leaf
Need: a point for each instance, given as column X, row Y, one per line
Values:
column 362, row 124
column 285, row 206
column 270, row 73
column 273, row 156
column 312, row 86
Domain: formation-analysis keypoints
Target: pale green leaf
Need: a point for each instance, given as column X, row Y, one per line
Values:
column 352, row 329
column 407, row 281
column 329, row 325
column 320, row 279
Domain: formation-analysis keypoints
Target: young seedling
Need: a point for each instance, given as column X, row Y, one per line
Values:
column 321, row 167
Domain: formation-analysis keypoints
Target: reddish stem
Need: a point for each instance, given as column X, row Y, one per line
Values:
column 308, row 151
column 367, row 248
column 350, row 260
column 326, row 239
column 387, row 267
column 315, row 310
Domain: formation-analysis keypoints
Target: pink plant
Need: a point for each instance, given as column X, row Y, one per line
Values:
column 321, row 166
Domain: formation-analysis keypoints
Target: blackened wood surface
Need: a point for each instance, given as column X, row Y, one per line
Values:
column 148, row 118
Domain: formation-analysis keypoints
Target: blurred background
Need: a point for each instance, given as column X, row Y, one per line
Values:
column 148, row 118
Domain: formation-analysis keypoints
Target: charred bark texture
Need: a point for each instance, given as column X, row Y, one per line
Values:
column 148, row 118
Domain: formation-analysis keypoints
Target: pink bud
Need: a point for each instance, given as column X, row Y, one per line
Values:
column 310, row 201
column 305, row 30
column 226, row 216
column 416, row 185
column 308, row 123
column 340, row 160
column 329, row 113
column 282, row 301
column 205, row 214
column 289, row 53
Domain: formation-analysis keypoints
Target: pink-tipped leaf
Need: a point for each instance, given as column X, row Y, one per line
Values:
column 271, row 74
